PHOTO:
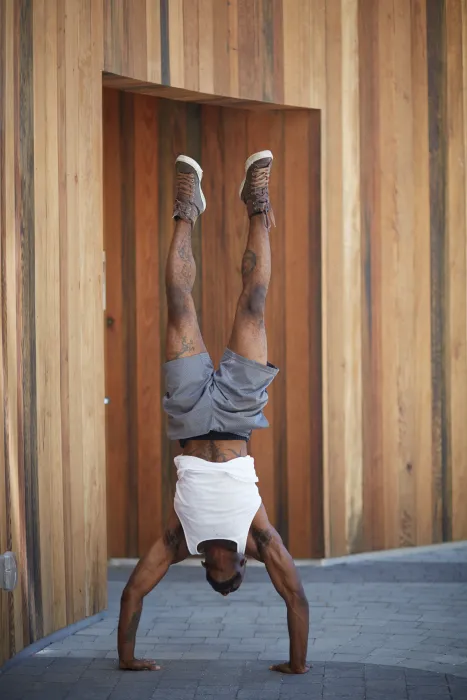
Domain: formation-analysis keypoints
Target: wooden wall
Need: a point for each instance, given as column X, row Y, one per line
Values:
column 390, row 80
column 52, row 467
column 142, row 137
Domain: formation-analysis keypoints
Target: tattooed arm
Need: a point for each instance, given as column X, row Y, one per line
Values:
column 168, row 550
column 265, row 544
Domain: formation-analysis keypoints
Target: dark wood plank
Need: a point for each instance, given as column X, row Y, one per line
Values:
column 128, row 282
column 297, row 332
column 27, row 360
column 147, row 303
column 436, row 58
column 116, row 433
column 315, row 435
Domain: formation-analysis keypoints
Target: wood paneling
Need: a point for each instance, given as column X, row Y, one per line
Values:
column 52, row 493
column 266, row 50
column 142, row 137
column 390, row 82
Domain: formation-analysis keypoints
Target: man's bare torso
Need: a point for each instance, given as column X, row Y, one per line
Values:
column 216, row 450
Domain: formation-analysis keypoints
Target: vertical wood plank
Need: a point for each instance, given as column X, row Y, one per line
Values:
column 232, row 38
column 351, row 273
column 191, row 43
column 250, row 62
column 456, row 355
column 221, row 59
column 436, row 28
column 297, row 333
column 47, row 258
column 24, row 139
column 164, row 41
column 176, row 43
column 129, row 326
column 137, row 31
column 206, row 45
column 147, row 302
column 407, row 516
column 422, row 334
column 116, row 434
column 334, row 291
column 72, row 266
column 153, row 32
column 373, row 510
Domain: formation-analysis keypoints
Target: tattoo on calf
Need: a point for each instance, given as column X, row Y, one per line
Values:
column 184, row 251
column 133, row 626
column 262, row 538
column 187, row 346
column 248, row 263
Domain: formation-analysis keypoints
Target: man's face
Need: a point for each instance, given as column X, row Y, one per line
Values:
column 225, row 579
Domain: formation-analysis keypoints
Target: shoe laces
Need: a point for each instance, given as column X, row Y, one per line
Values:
column 260, row 181
column 186, row 186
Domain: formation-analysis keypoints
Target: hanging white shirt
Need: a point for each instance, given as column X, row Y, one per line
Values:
column 216, row 501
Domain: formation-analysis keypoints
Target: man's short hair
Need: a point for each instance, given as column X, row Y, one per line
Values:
column 225, row 586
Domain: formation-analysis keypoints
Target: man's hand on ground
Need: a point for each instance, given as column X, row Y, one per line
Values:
column 287, row 668
column 139, row 665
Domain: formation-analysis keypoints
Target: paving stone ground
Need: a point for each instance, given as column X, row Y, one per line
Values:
column 384, row 629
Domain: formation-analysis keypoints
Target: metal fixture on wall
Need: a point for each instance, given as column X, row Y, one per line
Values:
column 8, row 571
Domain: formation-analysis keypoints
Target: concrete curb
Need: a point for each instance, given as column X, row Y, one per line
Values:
column 50, row 639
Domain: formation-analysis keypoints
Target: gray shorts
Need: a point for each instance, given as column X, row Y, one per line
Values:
column 230, row 399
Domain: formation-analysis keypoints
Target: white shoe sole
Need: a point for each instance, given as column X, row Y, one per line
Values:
column 249, row 162
column 197, row 168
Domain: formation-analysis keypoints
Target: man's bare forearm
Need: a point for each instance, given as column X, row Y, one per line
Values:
column 298, row 623
column 130, row 612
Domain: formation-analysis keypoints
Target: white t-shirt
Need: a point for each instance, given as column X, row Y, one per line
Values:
column 216, row 501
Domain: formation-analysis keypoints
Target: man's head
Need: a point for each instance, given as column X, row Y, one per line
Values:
column 225, row 569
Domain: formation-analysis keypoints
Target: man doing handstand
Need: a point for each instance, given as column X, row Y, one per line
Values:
column 217, row 507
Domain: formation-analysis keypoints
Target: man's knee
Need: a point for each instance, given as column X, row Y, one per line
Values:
column 253, row 301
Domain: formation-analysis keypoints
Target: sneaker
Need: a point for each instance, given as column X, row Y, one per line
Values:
column 189, row 199
column 254, row 190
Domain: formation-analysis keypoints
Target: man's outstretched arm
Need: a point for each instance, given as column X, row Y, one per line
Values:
column 168, row 550
column 286, row 580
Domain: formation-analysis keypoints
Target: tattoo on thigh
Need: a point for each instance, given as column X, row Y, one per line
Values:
column 187, row 346
column 248, row 263
column 262, row 538
column 133, row 626
column 172, row 538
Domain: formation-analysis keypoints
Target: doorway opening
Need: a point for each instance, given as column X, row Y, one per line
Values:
column 143, row 134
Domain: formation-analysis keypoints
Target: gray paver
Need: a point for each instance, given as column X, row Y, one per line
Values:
column 380, row 630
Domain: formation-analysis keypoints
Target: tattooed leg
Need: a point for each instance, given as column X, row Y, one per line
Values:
column 183, row 334
column 249, row 334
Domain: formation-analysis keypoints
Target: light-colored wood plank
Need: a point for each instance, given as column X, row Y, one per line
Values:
column 351, row 280
column 333, row 290
column 74, row 312
column 47, row 306
column 422, row 322
column 191, row 44
column 456, row 353
column 389, row 272
column 404, row 198
column 153, row 30
column 176, row 44
column 206, row 45
column 233, row 47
